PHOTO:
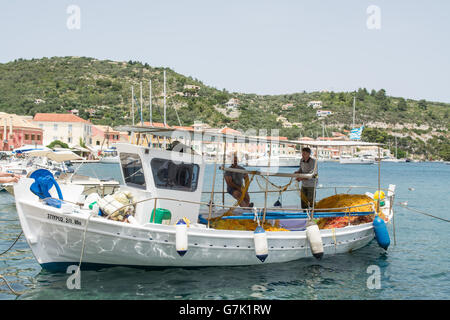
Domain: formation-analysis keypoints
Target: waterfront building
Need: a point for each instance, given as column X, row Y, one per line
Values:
column 17, row 131
column 66, row 127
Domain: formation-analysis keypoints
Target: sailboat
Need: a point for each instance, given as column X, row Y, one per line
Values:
column 396, row 159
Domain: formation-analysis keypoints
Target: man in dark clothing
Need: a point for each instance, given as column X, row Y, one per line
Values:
column 234, row 182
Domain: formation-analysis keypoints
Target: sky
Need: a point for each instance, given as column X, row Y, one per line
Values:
column 262, row 47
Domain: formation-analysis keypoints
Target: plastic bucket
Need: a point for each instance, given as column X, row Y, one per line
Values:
column 162, row 216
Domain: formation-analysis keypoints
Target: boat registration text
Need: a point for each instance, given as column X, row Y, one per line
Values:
column 63, row 219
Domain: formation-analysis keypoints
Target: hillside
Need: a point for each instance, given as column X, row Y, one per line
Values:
column 101, row 91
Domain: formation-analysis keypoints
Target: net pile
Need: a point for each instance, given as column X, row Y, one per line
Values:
column 245, row 225
column 345, row 200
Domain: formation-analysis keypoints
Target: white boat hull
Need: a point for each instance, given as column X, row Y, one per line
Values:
column 109, row 160
column 275, row 162
column 356, row 161
column 56, row 239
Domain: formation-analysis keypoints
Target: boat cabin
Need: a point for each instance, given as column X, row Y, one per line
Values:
column 163, row 175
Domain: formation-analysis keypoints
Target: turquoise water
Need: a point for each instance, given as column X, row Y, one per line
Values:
column 417, row 267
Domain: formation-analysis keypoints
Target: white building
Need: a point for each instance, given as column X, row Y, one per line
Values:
column 65, row 127
column 233, row 103
column 191, row 87
column 315, row 104
column 323, row 113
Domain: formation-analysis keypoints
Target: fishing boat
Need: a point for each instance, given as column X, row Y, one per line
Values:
column 62, row 229
column 109, row 156
column 54, row 162
column 288, row 161
column 347, row 159
column 390, row 159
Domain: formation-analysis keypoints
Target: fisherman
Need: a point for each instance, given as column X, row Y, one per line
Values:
column 6, row 177
column 235, row 185
column 307, row 165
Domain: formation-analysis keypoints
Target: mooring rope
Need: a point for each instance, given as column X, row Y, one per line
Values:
column 10, row 288
column 12, row 244
column 84, row 240
column 421, row 212
column 1, row 276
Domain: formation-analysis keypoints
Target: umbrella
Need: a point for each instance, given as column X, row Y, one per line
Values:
column 59, row 156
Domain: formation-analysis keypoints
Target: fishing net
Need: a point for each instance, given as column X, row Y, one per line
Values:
column 247, row 225
column 293, row 185
column 334, row 203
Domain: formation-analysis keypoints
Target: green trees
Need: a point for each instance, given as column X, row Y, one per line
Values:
column 57, row 144
column 444, row 153
column 401, row 106
column 100, row 90
column 422, row 104
column 361, row 94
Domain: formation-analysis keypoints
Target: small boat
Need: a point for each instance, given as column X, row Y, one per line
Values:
column 63, row 230
column 110, row 159
column 54, row 161
column 289, row 161
column 109, row 156
column 347, row 159
column 390, row 159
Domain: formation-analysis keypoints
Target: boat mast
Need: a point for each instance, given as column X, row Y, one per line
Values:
column 132, row 104
column 151, row 116
column 353, row 123
column 142, row 120
column 396, row 153
column 165, row 123
column 354, row 101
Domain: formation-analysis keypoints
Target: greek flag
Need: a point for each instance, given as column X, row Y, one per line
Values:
column 355, row 134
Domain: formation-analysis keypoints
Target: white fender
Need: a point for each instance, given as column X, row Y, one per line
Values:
column 314, row 239
column 181, row 237
column 261, row 247
column 132, row 220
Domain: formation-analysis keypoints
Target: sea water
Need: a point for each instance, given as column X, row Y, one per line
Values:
column 416, row 265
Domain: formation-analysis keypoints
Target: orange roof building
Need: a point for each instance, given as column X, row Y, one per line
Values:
column 65, row 127
column 17, row 131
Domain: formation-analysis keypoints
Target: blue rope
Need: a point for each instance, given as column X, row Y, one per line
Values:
column 299, row 215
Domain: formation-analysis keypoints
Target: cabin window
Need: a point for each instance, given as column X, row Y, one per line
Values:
column 175, row 176
column 132, row 170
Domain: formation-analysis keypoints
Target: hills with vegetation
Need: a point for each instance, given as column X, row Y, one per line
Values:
column 101, row 91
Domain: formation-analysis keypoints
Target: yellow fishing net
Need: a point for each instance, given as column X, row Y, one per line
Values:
column 248, row 225
column 333, row 203
column 345, row 200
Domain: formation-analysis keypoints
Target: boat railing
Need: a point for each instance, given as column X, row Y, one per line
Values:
column 257, row 209
column 349, row 188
